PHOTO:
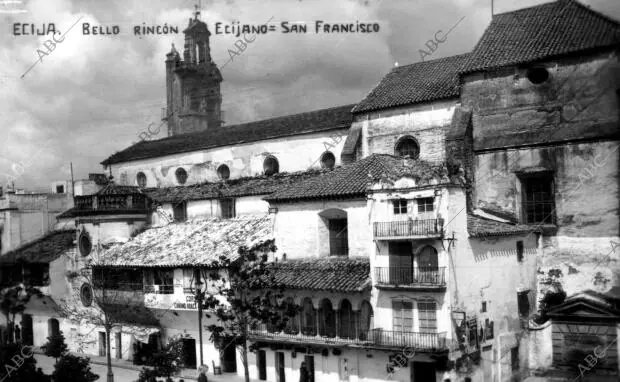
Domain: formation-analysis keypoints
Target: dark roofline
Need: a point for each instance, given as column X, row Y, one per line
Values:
column 107, row 161
column 25, row 246
column 357, row 111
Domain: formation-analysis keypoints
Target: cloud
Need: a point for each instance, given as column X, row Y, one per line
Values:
column 92, row 95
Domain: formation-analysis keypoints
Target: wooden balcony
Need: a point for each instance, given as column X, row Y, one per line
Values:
column 375, row 338
column 408, row 229
column 422, row 278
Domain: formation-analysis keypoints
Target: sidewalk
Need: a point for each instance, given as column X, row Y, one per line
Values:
column 101, row 362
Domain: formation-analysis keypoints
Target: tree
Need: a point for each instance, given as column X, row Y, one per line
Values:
column 13, row 300
column 55, row 346
column 73, row 368
column 247, row 295
column 166, row 362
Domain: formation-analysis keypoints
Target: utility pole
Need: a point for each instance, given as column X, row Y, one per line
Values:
column 199, row 299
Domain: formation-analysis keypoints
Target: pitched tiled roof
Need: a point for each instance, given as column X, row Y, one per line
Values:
column 353, row 179
column 310, row 122
column 199, row 242
column 116, row 189
column 42, row 251
column 480, row 227
column 327, row 274
column 420, row 82
column 130, row 314
column 547, row 30
column 260, row 185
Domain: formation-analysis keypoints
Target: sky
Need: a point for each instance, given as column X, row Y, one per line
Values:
column 91, row 96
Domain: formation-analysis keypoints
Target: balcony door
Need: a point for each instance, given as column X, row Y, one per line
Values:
column 402, row 321
column 401, row 263
column 427, row 266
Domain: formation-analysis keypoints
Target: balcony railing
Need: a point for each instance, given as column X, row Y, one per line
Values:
column 408, row 228
column 408, row 276
column 374, row 337
column 159, row 289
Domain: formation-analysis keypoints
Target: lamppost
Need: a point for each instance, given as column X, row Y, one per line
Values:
column 199, row 296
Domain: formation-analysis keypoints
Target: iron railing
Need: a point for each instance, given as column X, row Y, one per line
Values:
column 373, row 337
column 410, row 275
column 408, row 228
column 159, row 289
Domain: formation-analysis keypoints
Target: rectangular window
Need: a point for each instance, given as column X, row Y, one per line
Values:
column 538, row 199
column 400, row 206
column 179, row 211
column 338, row 237
column 402, row 316
column 519, row 251
column 523, row 299
column 484, row 307
column 427, row 316
column 401, row 262
column 227, row 208
column 188, row 280
column 159, row 281
column 60, row 189
column 514, row 358
column 425, row 205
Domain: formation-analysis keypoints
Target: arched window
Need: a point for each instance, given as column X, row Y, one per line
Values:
column 292, row 316
column 308, row 318
column 428, row 266
column 328, row 160
column 53, row 328
column 141, row 179
column 181, row 175
column 407, row 147
column 327, row 319
column 346, row 320
column 366, row 322
column 85, row 244
column 271, row 165
column 223, row 172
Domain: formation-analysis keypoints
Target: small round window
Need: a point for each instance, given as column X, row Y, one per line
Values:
column 86, row 295
column 328, row 160
column 141, row 178
column 537, row 75
column 85, row 244
column 271, row 165
column 223, row 172
column 181, row 175
column 407, row 147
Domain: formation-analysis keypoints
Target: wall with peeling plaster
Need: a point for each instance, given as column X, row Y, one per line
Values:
column 427, row 123
column 294, row 153
column 300, row 233
column 575, row 115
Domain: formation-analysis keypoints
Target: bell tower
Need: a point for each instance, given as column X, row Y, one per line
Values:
column 192, row 84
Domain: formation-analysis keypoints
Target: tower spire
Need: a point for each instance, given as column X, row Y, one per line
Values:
column 197, row 6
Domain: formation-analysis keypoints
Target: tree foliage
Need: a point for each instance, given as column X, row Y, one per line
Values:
column 248, row 295
column 13, row 301
column 55, row 346
column 166, row 362
column 73, row 368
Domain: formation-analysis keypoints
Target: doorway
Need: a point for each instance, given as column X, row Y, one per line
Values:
column 27, row 333
column 262, row 365
column 423, row 372
column 228, row 356
column 118, row 342
column 53, row 327
column 280, row 377
column 189, row 353
column 309, row 360
column 102, row 347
